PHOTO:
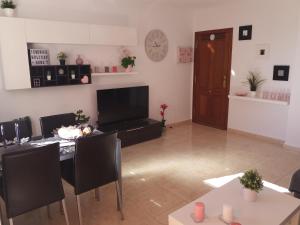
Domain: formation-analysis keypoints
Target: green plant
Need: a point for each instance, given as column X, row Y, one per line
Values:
column 61, row 56
column 80, row 117
column 252, row 180
column 254, row 80
column 7, row 4
column 127, row 61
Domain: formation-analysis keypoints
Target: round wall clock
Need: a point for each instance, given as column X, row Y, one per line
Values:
column 156, row 45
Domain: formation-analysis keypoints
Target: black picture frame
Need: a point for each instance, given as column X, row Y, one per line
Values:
column 281, row 73
column 245, row 33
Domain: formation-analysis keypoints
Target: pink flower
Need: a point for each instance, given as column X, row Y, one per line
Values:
column 164, row 106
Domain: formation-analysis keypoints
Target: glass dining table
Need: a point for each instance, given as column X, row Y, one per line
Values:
column 67, row 146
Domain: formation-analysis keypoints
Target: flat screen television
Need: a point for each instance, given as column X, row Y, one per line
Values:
column 122, row 104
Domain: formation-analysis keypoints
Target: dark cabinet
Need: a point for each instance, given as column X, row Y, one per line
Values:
column 57, row 75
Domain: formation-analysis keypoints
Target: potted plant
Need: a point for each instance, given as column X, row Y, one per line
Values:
column 81, row 118
column 252, row 183
column 254, row 81
column 163, row 108
column 8, row 7
column 61, row 56
column 128, row 62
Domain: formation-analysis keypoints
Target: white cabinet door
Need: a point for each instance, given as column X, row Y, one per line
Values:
column 43, row 31
column 113, row 35
column 14, row 57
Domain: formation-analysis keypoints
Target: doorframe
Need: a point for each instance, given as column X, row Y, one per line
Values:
column 227, row 30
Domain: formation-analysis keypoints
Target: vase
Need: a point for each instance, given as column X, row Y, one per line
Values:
column 128, row 69
column 163, row 123
column 9, row 12
column 79, row 60
column 62, row 62
column 252, row 94
column 249, row 195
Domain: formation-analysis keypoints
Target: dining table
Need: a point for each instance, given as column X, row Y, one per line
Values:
column 66, row 146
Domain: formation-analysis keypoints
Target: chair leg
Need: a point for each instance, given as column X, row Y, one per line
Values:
column 79, row 209
column 61, row 208
column 120, row 199
column 97, row 195
column 49, row 212
column 63, row 203
column 11, row 222
column 1, row 215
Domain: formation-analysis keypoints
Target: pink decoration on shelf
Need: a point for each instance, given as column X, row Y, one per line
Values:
column 199, row 212
column 85, row 79
column 114, row 69
column 185, row 54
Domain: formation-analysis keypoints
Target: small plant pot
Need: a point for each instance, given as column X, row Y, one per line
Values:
column 49, row 77
column 249, row 195
column 9, row 12
column 62, row 62
column 128, row 69
column 252, row 94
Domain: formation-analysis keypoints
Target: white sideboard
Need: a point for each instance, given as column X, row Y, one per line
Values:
column 16, row 33
column 258, row 116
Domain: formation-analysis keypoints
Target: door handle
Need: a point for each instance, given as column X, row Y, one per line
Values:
column 224, row 82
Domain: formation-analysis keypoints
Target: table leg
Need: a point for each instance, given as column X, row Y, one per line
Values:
column 295, row 219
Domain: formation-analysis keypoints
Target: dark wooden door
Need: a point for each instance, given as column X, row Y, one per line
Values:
column 212, row 69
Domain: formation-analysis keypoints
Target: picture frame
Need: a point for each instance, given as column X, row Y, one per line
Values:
column 263, row 51
column 184, row 54
column 245, row 32
column 281, row 72
column 39, row 57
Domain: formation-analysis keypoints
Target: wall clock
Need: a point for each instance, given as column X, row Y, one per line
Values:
column 156, row 45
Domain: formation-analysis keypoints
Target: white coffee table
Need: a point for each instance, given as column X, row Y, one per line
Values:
column 271, row 208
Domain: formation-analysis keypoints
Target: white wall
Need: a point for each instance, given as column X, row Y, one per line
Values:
column 293, row 126
column 169, row 82
column 275, row 22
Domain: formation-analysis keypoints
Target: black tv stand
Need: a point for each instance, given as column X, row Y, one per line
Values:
column 134, row 131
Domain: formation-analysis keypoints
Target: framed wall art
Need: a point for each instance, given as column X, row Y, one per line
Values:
column 245, row 32
column 281, row 73
column 184, row 54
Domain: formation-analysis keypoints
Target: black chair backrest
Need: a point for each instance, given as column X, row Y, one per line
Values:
column 295, row 184
column 9, row 129
column 50, row 123
column 95, row 161
column 31, row 179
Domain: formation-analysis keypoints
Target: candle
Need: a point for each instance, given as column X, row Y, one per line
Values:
column 227, row 213
column 199, row 212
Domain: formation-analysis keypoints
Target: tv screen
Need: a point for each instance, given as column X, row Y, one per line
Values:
column 117, row 105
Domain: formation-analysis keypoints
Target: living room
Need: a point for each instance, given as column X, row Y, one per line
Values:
column 191, row 157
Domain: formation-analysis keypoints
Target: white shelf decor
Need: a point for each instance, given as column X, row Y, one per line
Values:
column 245, row 98
column 114, row 74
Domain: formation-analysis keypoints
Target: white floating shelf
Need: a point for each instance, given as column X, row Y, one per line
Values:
column 114, row 74
column 255, row 99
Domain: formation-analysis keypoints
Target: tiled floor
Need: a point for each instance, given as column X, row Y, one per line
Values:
column 162, row 175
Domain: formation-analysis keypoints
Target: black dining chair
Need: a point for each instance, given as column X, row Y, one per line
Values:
column 97, row 162
column 50, row 123
column 31, row 179
column 18, row 128
column 295, row 184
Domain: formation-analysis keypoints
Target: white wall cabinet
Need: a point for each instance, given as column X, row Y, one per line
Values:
column 113, row 35
column 15, row 65
column 17, row 32
column 42, row 31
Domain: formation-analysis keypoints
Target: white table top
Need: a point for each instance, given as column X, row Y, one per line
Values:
column 271, row 207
